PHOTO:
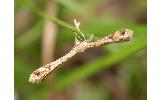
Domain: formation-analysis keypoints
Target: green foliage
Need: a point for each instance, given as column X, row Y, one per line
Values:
column 28, row 53
column 72, row 5
column 32, row 35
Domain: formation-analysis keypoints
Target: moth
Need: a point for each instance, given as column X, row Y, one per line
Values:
column 122, row 35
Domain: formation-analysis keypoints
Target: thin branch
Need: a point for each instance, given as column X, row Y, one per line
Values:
column 80, row 46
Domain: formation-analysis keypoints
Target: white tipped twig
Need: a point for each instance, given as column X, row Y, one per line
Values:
column 80, row 46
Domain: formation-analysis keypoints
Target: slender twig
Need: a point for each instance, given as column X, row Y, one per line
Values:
column 80, row 46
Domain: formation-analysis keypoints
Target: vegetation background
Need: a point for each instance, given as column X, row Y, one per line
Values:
column 111, row 72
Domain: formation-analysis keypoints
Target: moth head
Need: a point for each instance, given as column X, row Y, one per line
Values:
column 122, row 35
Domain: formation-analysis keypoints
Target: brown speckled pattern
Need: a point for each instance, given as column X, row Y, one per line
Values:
column 119, row 36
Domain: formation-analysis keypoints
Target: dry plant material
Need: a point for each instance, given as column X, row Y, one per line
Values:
column 81, row 44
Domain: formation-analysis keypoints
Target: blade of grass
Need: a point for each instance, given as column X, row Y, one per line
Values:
column 41, row 13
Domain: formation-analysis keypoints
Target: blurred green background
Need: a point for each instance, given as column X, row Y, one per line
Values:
column 111, row 72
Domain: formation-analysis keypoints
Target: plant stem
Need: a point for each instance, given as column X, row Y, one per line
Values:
column 53, row 19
